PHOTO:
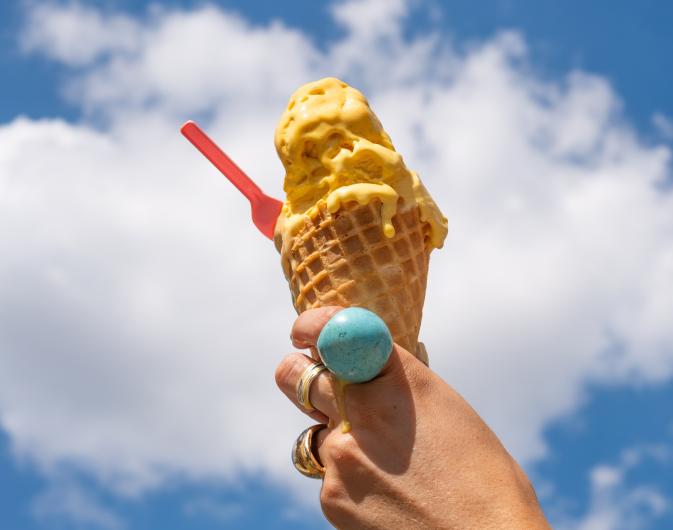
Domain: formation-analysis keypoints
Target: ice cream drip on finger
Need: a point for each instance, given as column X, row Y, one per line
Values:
column 339, row 389
column 335, row 150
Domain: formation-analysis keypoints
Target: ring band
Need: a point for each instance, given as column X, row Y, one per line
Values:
column 304, row 384
column 422, row 354
column 303, row 458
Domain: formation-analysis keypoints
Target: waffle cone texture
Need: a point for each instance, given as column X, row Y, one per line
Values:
column 343, row 258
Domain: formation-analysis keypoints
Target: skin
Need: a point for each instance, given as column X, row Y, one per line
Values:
column 418, row 455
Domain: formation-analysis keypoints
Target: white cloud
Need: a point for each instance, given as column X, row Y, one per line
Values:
column 143, row 316
column 375, row 53
column 371, row 19
column 69, row 501
column 663, row 124
column 222, row 512
column 617, row 501
column 77, row 35
column 180, row 61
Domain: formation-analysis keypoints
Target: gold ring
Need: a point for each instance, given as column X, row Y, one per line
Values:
column 303, row 458
column 304, row 384
column 422, row 354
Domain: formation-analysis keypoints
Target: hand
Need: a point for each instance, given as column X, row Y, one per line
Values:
column 418, row 456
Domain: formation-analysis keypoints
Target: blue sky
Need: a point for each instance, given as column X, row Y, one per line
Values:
column 628, row 44
column 94, row 439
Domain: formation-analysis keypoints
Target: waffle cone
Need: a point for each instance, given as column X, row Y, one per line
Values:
column 344, row 259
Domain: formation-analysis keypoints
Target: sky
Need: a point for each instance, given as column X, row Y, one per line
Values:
column 142, row 316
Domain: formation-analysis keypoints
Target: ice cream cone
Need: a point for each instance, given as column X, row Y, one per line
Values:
column 357, row 226
column 343, row 258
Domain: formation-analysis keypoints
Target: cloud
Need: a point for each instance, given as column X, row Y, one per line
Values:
column 143, row 312
column 371, row 19
column 222, row 512
column 177, row 61
column 71, row 502
column 663, row 124
column 618, row 502
column 376, row 54
column 77, row 35
column 119, row 308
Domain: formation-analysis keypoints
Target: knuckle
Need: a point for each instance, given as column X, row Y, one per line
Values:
column 285, row 371
column 332, row 492
column 334, row 501
column 308, row 325
column 343, row 451
column 323, row 386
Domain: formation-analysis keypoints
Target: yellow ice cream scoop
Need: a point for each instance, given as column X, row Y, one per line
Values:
column 334, row 149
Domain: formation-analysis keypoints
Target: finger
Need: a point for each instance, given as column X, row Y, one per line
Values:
column 403, row 380
column 400, row 361
column 316, row 415
column 321, row 393
column 309, row 324
column 319, row 444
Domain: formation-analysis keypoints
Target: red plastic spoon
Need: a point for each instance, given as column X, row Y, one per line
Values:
column 265, row 209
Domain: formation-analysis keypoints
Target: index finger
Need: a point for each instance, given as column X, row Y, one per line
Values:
column 309, row 324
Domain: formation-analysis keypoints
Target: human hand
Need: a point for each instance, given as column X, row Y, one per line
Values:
column 418, row 456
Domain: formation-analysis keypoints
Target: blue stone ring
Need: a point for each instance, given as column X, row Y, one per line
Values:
column 355, row 345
